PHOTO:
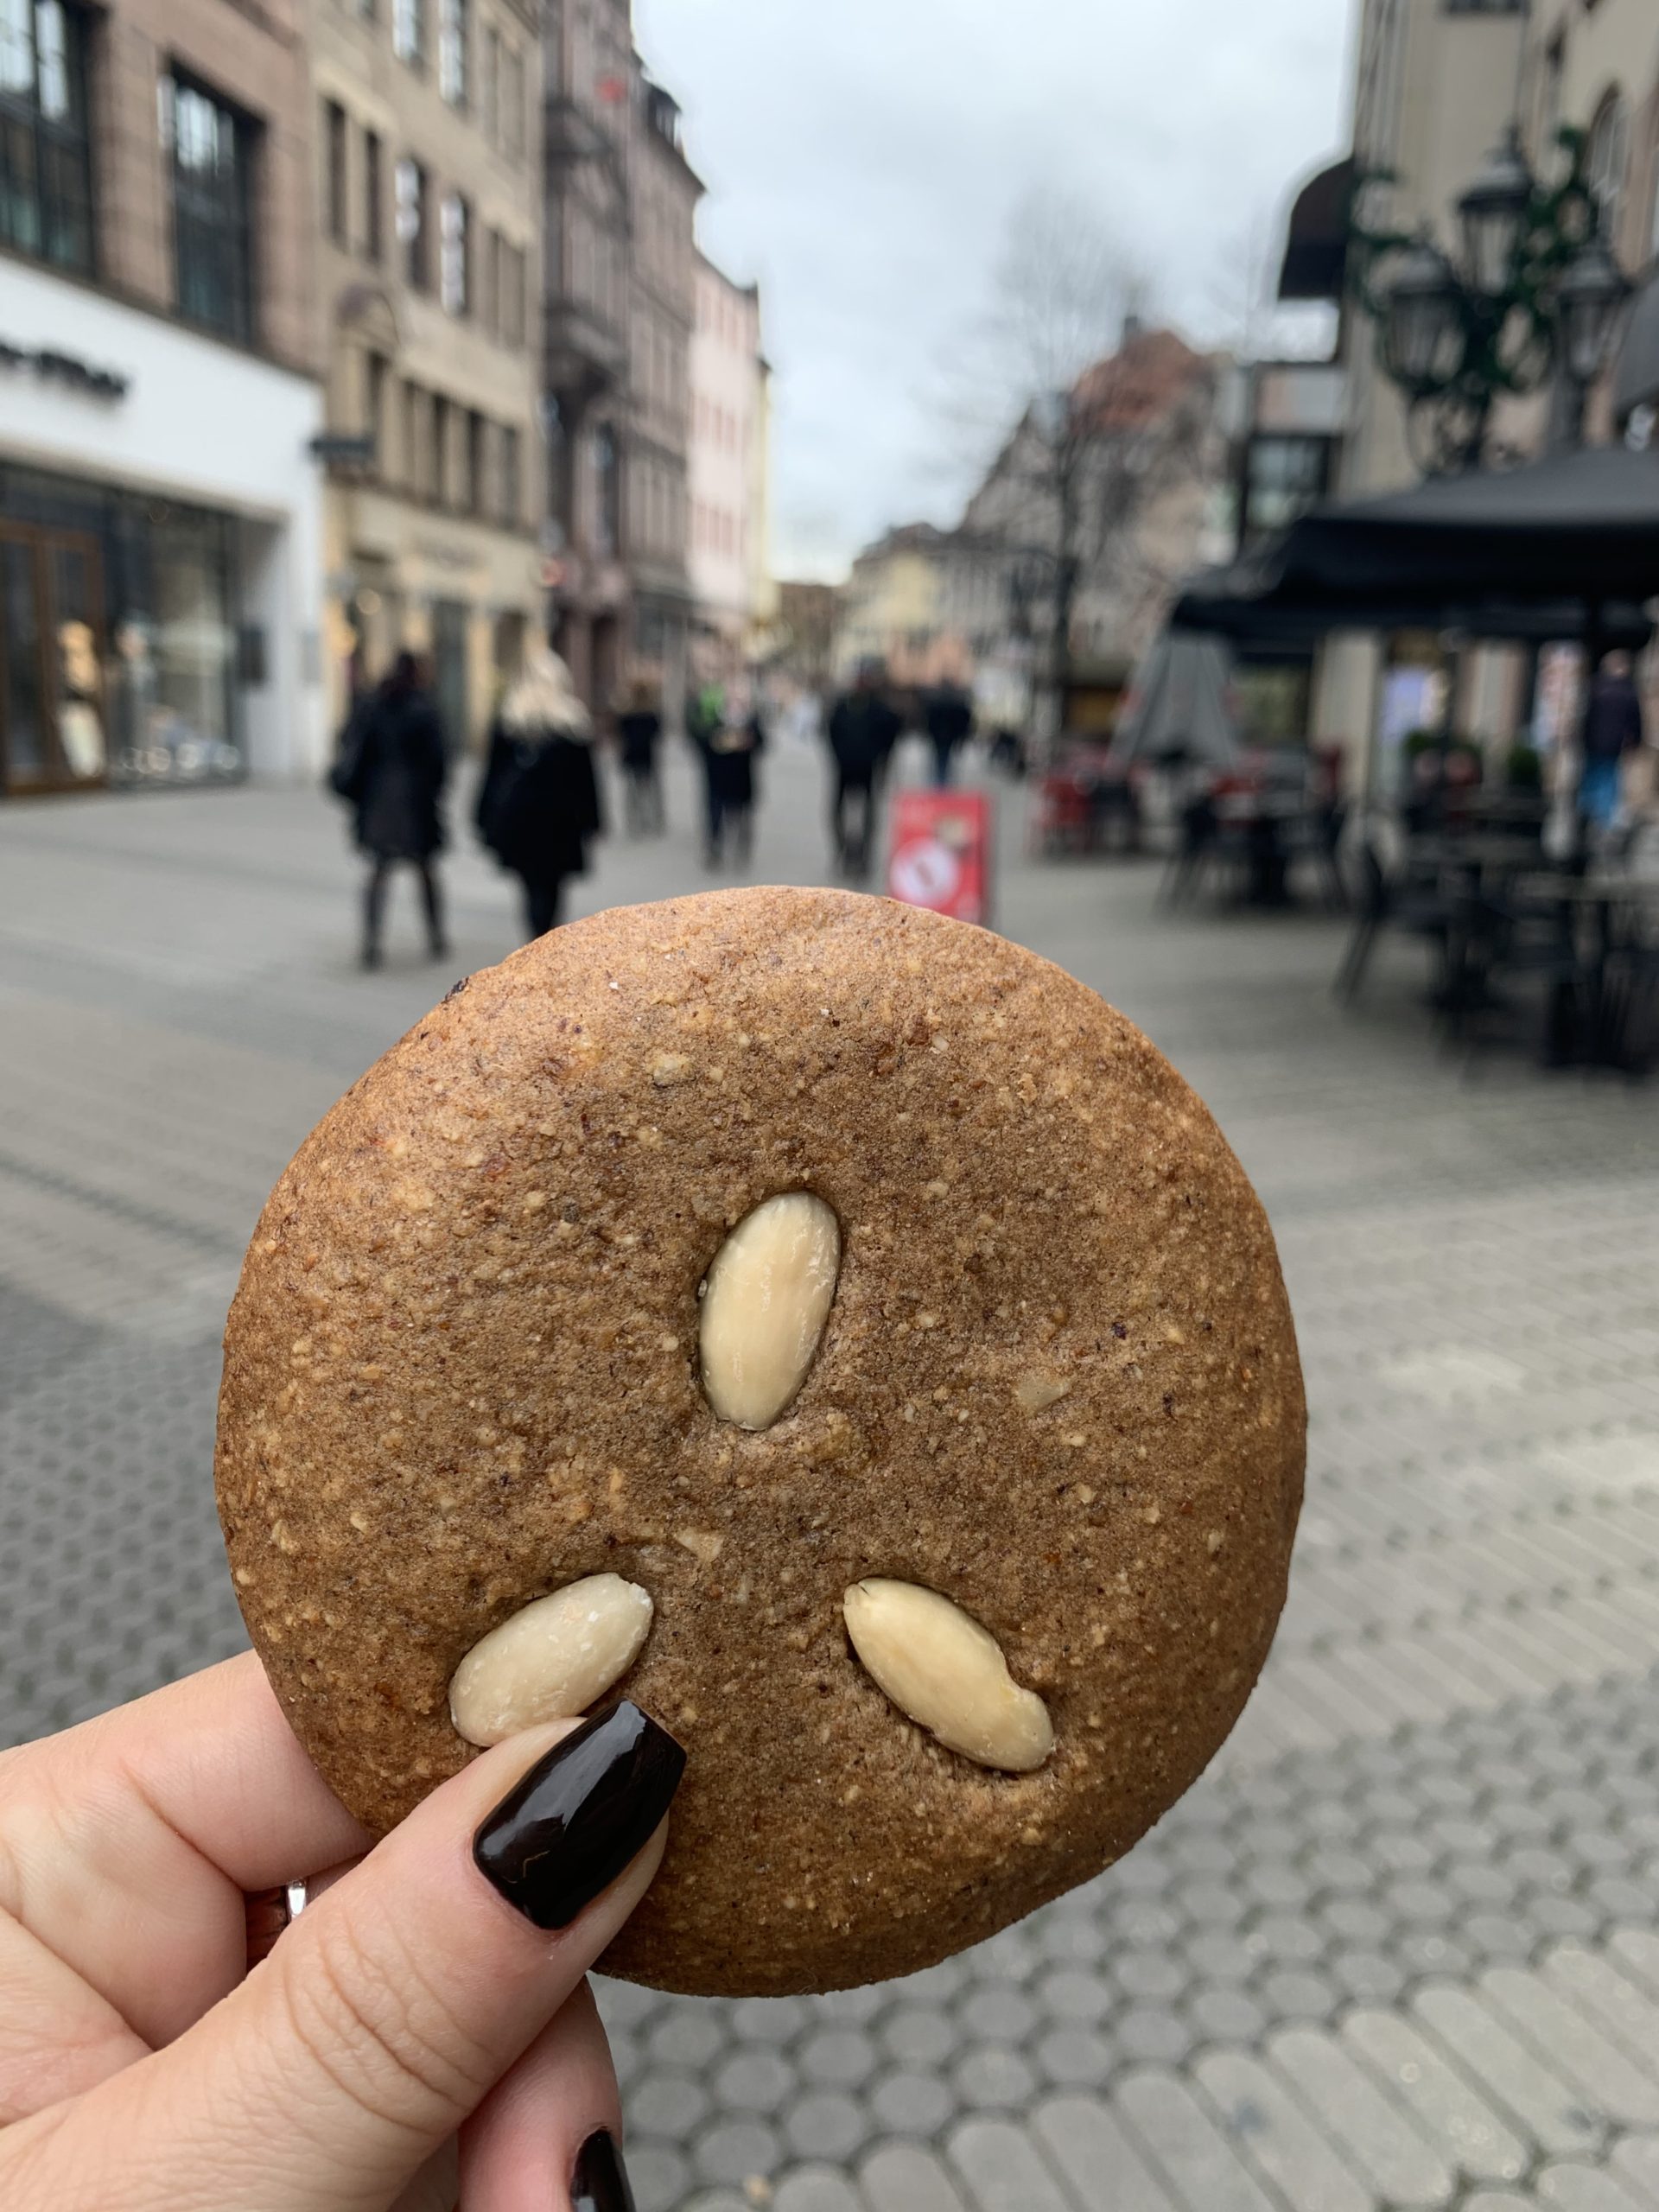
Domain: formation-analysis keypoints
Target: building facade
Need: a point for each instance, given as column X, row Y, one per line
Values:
column 1437, row 84
column 160, row 499
column 620, row 200
column 427, row 138
column 729, row 431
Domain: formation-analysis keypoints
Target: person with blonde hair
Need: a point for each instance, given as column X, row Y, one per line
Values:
column 539, row 806
column 639, row 729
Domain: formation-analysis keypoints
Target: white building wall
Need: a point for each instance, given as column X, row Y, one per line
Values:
column 202, row 422
column 728, row 472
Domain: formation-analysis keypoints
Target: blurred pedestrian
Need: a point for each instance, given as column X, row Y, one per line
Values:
column 729, row 740
column 950, row 717
column 390, row 767
column 863, row 730
column 1612, row 727
column 539, row 806
column 638, row 730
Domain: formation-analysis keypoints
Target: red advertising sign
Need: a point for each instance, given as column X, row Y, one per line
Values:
column 941, row 855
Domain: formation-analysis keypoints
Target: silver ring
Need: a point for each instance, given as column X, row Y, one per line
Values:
column 269, row 1914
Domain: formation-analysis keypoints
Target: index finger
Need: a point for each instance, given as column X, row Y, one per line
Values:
column 126, row 1844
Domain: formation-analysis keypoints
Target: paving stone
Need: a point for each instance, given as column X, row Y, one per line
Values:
column 1472, row 2135
column 1584, row 2189
column 901, row 2177
column 684, row 2037
column 993, row 2077
column 1225, row 2015
column 918, row 2035
column 816, row 2188
column 755, row 2081
column 998, row 2014
column 1576, row 2049
column 839, row 2056
column 1085, row 2144
column 658, row 2176
column 913, row 2103
column 1530, row 2094
column 1277, row 2136
column 1185, row 2147
column 825, row 2124
column 666, row 2104
column 1399, row 2162
column 1075, row 2058
column 734, row 2151
column 1000, row 2169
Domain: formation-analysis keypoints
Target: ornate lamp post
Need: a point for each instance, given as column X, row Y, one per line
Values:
column 1535, row 293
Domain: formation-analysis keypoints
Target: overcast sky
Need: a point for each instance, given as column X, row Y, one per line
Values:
column 862, row 158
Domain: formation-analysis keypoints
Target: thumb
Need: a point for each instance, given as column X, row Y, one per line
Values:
column 394, row 2004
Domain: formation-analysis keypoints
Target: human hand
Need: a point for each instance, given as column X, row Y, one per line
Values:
column 432, row 1991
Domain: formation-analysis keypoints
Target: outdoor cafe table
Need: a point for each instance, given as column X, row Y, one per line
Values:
column 1605, row 910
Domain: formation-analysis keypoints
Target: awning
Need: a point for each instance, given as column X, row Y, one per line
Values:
column 1315, row 265
column 1636, row 381
column 1521, row 553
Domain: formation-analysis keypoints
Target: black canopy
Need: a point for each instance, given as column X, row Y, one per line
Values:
column 1551, row 550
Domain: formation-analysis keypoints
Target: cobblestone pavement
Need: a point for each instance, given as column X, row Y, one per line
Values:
column 1397, row 1949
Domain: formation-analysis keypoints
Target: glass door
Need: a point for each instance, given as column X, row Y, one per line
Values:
column 52, row 719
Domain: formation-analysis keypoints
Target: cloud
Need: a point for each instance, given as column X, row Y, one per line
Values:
column 862, row 160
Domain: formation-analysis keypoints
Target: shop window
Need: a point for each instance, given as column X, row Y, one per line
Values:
column 408, row 31
column 454, row 255
column 336, row 181
column 412, row 192
column 212, row 146
column 46, row 180
column 452, row 27
column 374, row 219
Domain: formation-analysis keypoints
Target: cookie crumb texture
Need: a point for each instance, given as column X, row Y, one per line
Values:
column 1058, row 1384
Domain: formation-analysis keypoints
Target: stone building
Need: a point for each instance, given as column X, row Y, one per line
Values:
column 159, row 535
column 620, row 200
column 427, row 134
column 730, row 428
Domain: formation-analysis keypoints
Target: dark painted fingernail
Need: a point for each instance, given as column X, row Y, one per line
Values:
column 580, row 1816
column 600, row 2181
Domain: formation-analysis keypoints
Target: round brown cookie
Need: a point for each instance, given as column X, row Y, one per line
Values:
column 1059, row 1385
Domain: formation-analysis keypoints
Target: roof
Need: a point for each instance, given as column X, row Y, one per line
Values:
column 1140, row 384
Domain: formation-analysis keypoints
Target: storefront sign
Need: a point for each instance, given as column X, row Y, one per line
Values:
column 942, row 853
column 66, row 368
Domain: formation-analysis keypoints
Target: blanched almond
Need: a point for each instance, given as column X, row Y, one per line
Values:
column 948, row 1674
column 552, row 1660
column 765, row 1303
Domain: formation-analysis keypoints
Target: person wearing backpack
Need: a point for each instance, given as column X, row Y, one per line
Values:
column 538, row 805
column 391, row 770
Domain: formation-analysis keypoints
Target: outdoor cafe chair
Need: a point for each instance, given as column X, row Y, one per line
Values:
column 1391, row 894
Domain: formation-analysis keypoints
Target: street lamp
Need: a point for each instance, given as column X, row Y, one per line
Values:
column 1493, row 214
column 1589, row 300
column 1421, row 330
column 1536, row 291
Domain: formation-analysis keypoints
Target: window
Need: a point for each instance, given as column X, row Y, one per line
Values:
column 408, row 31
column 489, row 84
column 416, row 453
column 336, row 189
column 374, row 219
column 512, row 103
column 473, row 490
column 377, row 376
column 608, row 492
column 451, row 51
column 1284, row 476
column 213, row 203
column 438, row 471
column 512, row 500
column 512, row 294
column 455, row 253
column 46, row 173
column 412, row 226
column 1606, row 162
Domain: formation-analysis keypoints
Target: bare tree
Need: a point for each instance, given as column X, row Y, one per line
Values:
column 1098, row 432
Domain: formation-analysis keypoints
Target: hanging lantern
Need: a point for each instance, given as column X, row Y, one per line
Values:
column 1493, row 212
column 1422, row 331
column 1590, row 300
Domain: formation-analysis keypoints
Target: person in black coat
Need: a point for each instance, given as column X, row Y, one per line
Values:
column 863, row 730
column 639, row 731
column 538, row 805
column 391, row 768
column 950, row 715
column 729, row 745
